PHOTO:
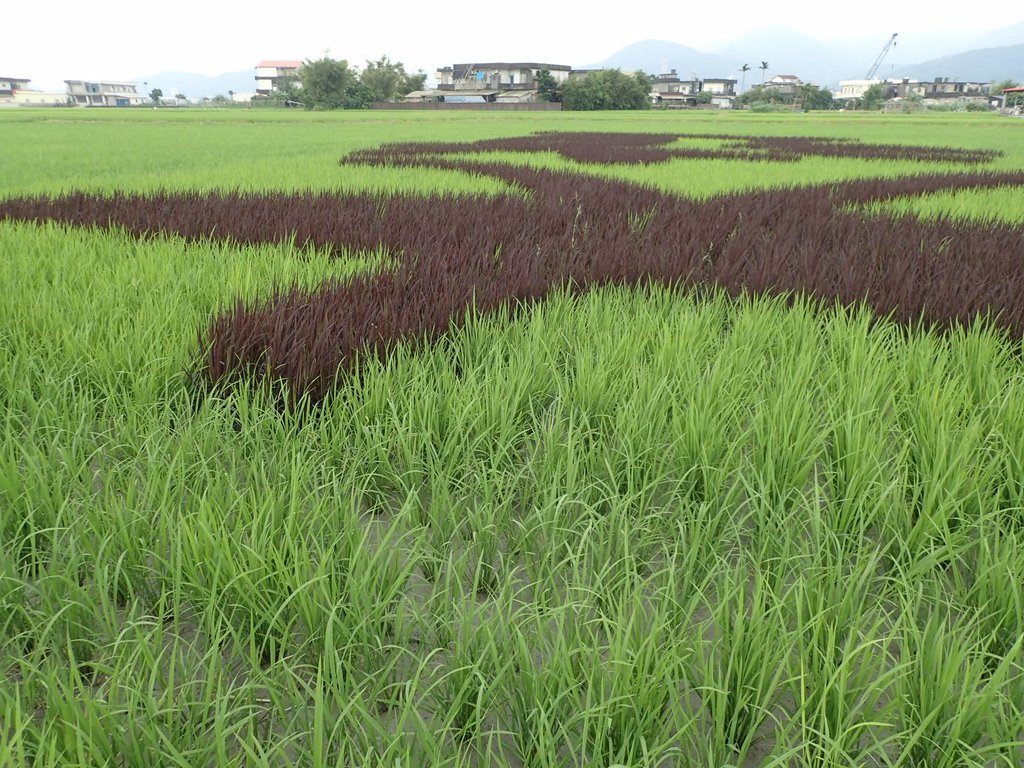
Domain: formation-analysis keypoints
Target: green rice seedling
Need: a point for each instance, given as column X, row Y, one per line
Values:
column 738, row 669
column 948, row 697
column 840, row 669
column 204, row 578
column 991, row 590
column 942, row 436
column 15, row 621
column 862, row 448
column 629, row 709
column 786, row 433
column 541, row 691
column 465, row 691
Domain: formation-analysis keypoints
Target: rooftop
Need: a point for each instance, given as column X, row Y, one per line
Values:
column 280, row 63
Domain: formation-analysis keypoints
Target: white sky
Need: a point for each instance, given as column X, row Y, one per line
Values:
column 70, row 39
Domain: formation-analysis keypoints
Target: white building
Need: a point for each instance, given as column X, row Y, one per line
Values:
column 270, row 73
column 104, row 93
column 497, row 76
column 14, row 92
column 854, row 89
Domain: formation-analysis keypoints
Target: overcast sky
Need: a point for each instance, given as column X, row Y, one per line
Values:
column 116, row 39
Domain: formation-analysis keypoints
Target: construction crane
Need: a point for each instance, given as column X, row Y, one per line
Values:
column 878, row 62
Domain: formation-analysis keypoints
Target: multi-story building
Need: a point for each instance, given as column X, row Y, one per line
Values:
column 104, row 93
column 15, row 92
column 491, row 79
column 11, row 85
column 271, row 72
column 784, row 85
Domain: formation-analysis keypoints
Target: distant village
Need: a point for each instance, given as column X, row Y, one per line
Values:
column 515, row 85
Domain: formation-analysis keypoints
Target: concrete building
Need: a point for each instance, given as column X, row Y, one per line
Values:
column 784, row 85
column 270, row 73
column 853, row 89
column 104, row 93
column 15, row 92
column 11, row 85
column 670, row 84
column 497, row 77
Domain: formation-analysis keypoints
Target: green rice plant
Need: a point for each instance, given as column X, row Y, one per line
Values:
column 541, row 691
column 942, row 436
column 862, row 451
column 787, row 437
column 840, row 670
column 738, row 670
column 629, row 708
column 949, row 699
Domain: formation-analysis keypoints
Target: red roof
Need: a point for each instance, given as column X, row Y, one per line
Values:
column 280, row 63
column 1018, row 89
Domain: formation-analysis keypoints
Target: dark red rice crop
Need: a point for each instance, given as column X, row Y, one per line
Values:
column 453, row 254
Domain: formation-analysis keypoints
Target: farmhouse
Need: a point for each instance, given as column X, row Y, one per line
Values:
column 103, row 93
column 270, row 73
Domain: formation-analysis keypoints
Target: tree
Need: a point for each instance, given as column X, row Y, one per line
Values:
column 156, row 94
column 180, row 96
column 743, row 76
column 331, row 84
column 1012, row 99
column 764, row 70
column 287, row 92
column 607, row 89
column 387, row 80
column 873, row 98
column 813, row 97
column 759, row 94
column 547, row 86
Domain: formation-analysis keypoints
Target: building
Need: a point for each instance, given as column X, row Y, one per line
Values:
column 722, row 90
column 938, row 90
column 496, row 80
column 670, row 84
column 941, row 90
column 14, row 92
column 104, row 93
column 785, row 85
column 11, row 85
column 853, row 89
column 668, row 90
column 271, row 72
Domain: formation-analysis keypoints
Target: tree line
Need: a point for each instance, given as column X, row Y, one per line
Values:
column 327, row 83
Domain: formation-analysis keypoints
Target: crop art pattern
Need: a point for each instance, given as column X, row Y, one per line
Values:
column 563, row 229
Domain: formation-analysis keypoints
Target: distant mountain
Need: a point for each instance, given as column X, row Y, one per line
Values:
column 997, row 38
column 981, row 65
column 660, row 56
column 197, row 86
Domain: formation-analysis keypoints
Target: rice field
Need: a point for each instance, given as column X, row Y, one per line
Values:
column 388, row 439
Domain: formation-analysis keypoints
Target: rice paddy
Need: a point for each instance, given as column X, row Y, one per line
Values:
column 568, row 457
